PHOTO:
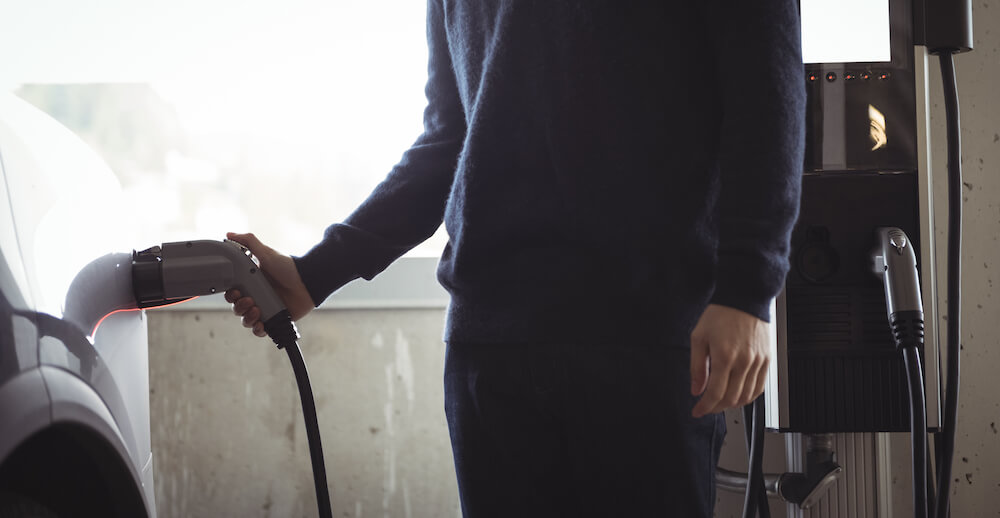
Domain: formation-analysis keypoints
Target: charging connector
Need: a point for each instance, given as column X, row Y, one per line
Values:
column 895, row 262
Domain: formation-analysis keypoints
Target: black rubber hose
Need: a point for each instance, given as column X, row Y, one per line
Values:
column 954, row 334
column 312, row 429
column 918, row 429
column 755, row 498
column 763, row 507
column 282, row 331
column 750, row 496
column 756, row 476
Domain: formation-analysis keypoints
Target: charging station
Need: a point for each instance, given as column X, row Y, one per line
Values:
column 866, row 166
column 838, row 385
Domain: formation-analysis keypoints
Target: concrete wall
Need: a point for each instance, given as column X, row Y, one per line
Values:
column 227, row 430
column 976, row 480
column 228, row 438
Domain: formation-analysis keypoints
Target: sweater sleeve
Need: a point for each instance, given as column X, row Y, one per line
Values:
column 760, row 81
column 408, row 205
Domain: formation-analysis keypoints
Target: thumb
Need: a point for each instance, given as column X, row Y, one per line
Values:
column 699, row 365
column 250, row 241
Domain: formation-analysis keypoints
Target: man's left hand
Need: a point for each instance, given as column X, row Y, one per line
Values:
column 729, row 359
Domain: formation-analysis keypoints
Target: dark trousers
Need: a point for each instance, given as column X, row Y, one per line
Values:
column 578, row 431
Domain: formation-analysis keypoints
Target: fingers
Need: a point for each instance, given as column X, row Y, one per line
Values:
column 718, row 380
column 252, row 317
column 734, row 390
column 232, row 295
column 730, row 395
column 251, row 320
column 762, row 378
column 244, row 307
column 747, row 379
column 243, row 239
column 733, row 381
column 248, row 240
column 699, row 366
column 753, row 378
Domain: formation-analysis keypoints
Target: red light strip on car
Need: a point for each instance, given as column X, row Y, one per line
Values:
column 98, row 324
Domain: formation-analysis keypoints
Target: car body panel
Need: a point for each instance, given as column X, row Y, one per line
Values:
column 13, row 280
column 61, row 346
column 73, row 401
column 24, row 411
column 62, row 220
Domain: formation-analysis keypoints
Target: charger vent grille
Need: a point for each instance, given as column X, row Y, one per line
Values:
column 845, row 374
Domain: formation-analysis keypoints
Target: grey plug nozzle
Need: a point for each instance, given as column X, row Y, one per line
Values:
column 185, row 269
column 895, row 262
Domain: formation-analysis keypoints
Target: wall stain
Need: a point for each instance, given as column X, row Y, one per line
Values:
column 266, row 506
column 404, row 368
column 290, row 433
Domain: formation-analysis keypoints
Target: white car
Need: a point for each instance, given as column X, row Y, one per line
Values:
column 74, row 377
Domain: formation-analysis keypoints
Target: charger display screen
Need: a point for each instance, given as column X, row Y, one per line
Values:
column 845, row 31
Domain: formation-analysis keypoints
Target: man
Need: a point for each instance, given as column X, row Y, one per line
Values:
column 618, row 181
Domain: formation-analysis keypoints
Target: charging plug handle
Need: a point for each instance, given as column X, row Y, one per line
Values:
column 895, row 262
column 183, row 269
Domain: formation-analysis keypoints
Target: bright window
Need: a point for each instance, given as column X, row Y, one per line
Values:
column 216, row 115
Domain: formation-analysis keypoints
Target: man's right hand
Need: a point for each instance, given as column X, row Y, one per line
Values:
column 284, row 277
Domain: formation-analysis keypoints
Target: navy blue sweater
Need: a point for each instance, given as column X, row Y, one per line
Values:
column 604, row 168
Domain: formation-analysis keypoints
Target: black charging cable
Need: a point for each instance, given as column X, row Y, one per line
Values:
column 755, row 498
column 908, row 334
column 954, row 138
column 282, row 331
column 918, row 429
